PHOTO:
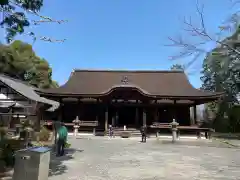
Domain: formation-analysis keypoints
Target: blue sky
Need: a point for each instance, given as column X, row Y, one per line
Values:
column 118, row 34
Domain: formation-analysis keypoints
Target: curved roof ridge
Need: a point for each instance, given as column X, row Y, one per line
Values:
column 154, row 83
column 114, row 87
column 124, row 71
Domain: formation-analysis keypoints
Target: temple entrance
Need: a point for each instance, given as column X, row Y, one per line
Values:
column 126, row 116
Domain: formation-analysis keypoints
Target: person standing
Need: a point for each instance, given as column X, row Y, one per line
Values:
column 110, row 131
column 144, row 133
column 61, row 139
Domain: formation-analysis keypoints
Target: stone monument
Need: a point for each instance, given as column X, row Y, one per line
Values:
column 76, row 125
column 174, row 125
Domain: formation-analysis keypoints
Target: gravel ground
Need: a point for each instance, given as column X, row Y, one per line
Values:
column 128, row 159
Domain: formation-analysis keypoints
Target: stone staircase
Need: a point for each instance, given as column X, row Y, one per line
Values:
column 134, row 132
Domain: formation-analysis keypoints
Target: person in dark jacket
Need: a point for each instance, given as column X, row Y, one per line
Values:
column 144, row 133
column 111, row 133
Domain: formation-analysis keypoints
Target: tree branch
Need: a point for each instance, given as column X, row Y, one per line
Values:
column 234, row 2
column 8, row 10
column 44, row 38
column 33, row 12
column 200, row 32
column 37, row 22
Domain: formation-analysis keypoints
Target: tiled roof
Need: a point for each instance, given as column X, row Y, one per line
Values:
column 149, row 83
column 26, row 90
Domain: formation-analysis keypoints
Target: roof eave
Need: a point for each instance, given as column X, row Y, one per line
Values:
column 40, row 100
column 213, row 96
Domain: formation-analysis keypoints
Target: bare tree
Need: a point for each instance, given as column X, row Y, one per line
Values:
column 16, row 15
column 198, row 36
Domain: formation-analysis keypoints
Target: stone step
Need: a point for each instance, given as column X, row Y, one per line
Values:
column 128, row 130
column 133, row 132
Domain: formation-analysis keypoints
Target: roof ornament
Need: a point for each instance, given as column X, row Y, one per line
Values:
column 125, row 80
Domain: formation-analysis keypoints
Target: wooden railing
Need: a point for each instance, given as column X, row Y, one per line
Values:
column 88, row 123
column 82, row 123
column 195, row 128
column 160, row 125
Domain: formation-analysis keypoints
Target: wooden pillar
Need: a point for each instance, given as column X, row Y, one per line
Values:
column 113, row 120
column 96, row 117
column 156, row 115
column 37, row 124
column 113, row 117
column 10, row 119
column 38, row 113
column 116, row 119
column 144, row 117
column 60, row 111
column 175, row 110
column 194, row 120
column 60, row 114
column 106, row 119
column 136, row 117
column 79, row 108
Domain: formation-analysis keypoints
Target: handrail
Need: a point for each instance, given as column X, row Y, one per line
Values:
column 81, row 123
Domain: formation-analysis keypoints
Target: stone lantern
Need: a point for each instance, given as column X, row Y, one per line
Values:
column 174, row 125
column 76, row 125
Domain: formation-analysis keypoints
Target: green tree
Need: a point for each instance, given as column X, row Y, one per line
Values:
column 54, row 84
column 15, row 18
column 178, row 67
column 221, row 73
column 18, row 60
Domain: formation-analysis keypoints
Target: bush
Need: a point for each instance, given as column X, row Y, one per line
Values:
column 67, row 145
column 7, row 149
column 3, row 132
column 44, row 134
column 8, row 155
column 234, row 119
column 230, row 123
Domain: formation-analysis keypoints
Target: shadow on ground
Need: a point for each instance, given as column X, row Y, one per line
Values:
column 57, row 166
column 230, row 136
column 202, row 143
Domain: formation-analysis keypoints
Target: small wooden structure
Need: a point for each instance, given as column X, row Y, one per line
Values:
column 18, row 100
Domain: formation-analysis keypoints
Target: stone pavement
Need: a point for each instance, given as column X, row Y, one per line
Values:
column 128, row 159
column 233, row 142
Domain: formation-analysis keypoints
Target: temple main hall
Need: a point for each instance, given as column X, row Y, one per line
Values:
column 127, row 98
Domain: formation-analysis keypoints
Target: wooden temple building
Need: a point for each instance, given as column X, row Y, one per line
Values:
column 130, row 98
